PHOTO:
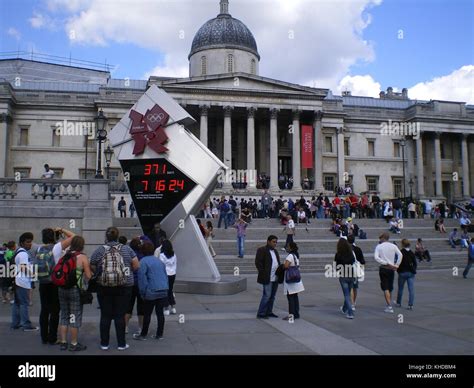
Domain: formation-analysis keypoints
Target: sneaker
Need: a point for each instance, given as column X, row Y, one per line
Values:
column 63, row 346
column 342, row 310
column 77, row 347
column 353, row 307
column 138, row 332
column 173, row 311
column 389, row 309
column 104, row 347
column 410, row 308
column 166, row 312
column 159, row 338
column 139, row 337
column 349, row 316
column 31, row 328
column 123, row 347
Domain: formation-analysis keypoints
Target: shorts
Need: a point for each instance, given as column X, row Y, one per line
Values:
column 71, row 307
column 355, row 284
column 386, row 279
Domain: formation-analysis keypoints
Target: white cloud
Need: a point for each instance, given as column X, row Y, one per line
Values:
column 302, row 41
column 167, row 70
column 457, row 86
column 14, row 33
column 359, row 85
column 40, row 20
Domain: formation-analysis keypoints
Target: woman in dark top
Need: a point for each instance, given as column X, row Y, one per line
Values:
column 344, row 259
column 406, row 273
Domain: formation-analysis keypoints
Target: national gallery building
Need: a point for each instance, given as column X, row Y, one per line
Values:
column 391, row 145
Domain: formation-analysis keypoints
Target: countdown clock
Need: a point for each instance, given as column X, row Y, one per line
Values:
column 156, row 187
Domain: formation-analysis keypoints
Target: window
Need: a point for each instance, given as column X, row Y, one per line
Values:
column 372, row 183
column 396, row 149
column 346, row 147
column 58, row 172
column 329, row 182
column 24, row 172
column 56, row 139
column 230, row 63
column 397, row 187
column 203, row 65
column 253, row 67
column 371, row 147
column 328, row 144
column 23, row 136
column 90, row 173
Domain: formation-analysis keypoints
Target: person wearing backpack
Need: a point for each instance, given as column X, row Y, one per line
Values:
column 114, row 264
column 22, row 284
column 46, row 257
column 70, row 295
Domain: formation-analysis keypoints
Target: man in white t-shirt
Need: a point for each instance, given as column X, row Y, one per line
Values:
column 47, row 174
column 290, row 231
column 24, row 273
column 389, row 257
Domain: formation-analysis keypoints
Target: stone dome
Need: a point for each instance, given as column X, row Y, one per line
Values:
column 224, row 31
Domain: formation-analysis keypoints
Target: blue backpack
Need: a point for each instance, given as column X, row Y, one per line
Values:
column 44, row 260
column 225, row 207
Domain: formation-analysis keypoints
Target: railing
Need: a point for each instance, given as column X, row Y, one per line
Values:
column 54, row 189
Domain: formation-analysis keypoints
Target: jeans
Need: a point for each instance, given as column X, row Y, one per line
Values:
column 20, row 313
column 320, row 212
column 222, row 216
column 49, row 314
column 410, row 279
column 171, row 300
column 240, row 245
column 347, row 284
column 114, row 302
column 268, row 298
column 265, row 210
column 293, row 305
column 397, row 213
column 468, row 267
column 148, row 306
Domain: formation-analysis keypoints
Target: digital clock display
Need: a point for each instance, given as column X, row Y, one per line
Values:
column 156, row 187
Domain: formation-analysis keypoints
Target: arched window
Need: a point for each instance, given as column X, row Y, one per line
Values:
column 253, row 68
column 230, row 63
column 203, row 65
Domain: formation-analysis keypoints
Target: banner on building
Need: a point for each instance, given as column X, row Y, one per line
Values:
column 307, row 146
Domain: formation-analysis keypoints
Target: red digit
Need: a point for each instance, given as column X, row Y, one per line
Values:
column 180, row 184
column 160, row 185
column 156, row 168
column 147, row 169
column 164, row 168
column 172, row 185
column 145, row 183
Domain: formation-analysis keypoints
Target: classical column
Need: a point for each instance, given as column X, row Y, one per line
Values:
column 5, row 119
column 318, row 152
column 419, row 166
column 251, row 147
column 228, row 136
column 410, row 161
column 203, row 127
column 273, row 149
column 465, row 167
column 437, row 149
column 340, row 157
column 296, row 144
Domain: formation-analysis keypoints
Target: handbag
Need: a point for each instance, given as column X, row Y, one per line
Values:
column 358, row 270
column 292, row 274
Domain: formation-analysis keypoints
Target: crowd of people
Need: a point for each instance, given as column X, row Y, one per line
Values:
column 142, row 271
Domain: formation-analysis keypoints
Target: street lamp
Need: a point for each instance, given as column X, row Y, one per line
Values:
column 411, row 183
column 403, row 144
column 101, row 124
column 108, row 157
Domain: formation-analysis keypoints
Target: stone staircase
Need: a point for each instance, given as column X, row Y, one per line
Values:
column 317, row 246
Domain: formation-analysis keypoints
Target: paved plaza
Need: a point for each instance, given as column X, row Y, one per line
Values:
column 442, row 323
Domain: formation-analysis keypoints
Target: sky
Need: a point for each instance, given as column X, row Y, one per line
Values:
column 363, row 46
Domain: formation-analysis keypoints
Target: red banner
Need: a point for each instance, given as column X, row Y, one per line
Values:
column 307, row 146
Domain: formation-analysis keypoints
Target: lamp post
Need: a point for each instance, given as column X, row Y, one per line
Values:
column 101, row 124
column 403, row 144
column 108, row 158
column 411, row 183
